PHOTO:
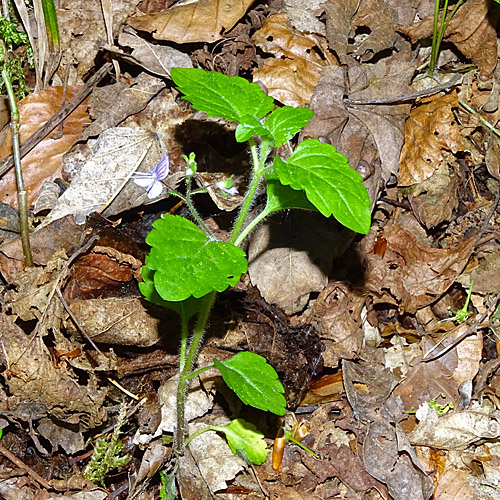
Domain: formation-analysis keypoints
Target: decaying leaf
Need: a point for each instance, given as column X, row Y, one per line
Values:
column 413, row 275
column 83, row 33
column 198, row 21
column 363, row 28
column 455, row 430
column 290, row 77
column 116, row 320
column 431, row 128
column 33, row 376
column 287, row 266
column 44, row 161
column 117, row 154
column 158, row 59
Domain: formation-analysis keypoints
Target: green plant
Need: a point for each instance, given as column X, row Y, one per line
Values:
column 187, row 265
column 106, row 456
column 438, row 31
column 12, row 39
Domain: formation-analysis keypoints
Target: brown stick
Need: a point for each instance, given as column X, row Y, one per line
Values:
column 16, row 461
column 60, row 116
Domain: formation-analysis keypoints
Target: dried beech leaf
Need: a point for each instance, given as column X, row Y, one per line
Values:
column 199, row 21
column 410, row 274
column 120, row 321
column 431, row 128
column 290, row 77
column 43, row 163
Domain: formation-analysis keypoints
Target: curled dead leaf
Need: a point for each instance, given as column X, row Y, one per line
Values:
column 430, row 129
column 201, row 21
column 290, row 77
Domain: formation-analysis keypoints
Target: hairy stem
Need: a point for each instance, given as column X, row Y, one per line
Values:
column 184, row 377
column 259, row 161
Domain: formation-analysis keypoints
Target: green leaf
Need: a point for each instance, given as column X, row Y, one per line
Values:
column 245, row 440
column 248, row 127
column 284, row 123
column 254, row 381
column 188, row 263
column 168, row 490
column 185, row 309
column 221, row 96
column 329, row 183
column 280, row 197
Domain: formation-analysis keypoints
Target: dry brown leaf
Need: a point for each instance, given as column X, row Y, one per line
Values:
column 411, row 274
column 201, row 21
column 44, row 161
column 472, row 30
column 116, row 320
column 453, row 485
column 83, row 33
column 33, row 376
column 434, row 200
column 290, row 77
column 431, row 128
column 377, row 20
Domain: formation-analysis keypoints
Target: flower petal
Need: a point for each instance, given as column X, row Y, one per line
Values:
column 143, row 181
column 155, row 189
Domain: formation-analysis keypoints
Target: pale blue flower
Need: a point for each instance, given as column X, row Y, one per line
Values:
column 228, row 187
column 152, row 180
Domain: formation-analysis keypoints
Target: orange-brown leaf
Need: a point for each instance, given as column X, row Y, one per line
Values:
column 430, row 129
column 44, row 161
column 201, row 21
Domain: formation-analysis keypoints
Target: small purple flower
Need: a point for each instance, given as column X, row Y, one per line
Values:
column 232, row 190
column 152, row 180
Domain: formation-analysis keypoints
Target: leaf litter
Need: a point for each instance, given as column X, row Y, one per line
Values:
column 362, row 319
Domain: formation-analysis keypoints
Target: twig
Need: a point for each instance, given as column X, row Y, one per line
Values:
column 16, row 461
column 470, row 331
column 61, row 115
column 75, row 321
column 60, row 277
column 454, row 80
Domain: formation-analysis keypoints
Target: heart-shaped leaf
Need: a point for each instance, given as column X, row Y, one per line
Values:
column 254, row 381
column 280, row 197
column 330, row 184
column 220, row 95
column 187, row 263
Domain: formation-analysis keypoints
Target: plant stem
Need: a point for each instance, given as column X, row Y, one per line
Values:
column 438, row 34
column 21, row 192
column 200, row 432
column 184, row 375
column 483, row 121
column 194, row 213
column 200, row 370
column 258, row 161
column 184, row 336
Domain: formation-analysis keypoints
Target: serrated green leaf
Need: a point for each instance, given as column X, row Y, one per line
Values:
column 254, row 381
column 248, row 127
column 188, row 263
column 221, row 96
column 244, row 439
column 185, row 309
column 329, row 183
column 284, row 123
column 280, row 197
